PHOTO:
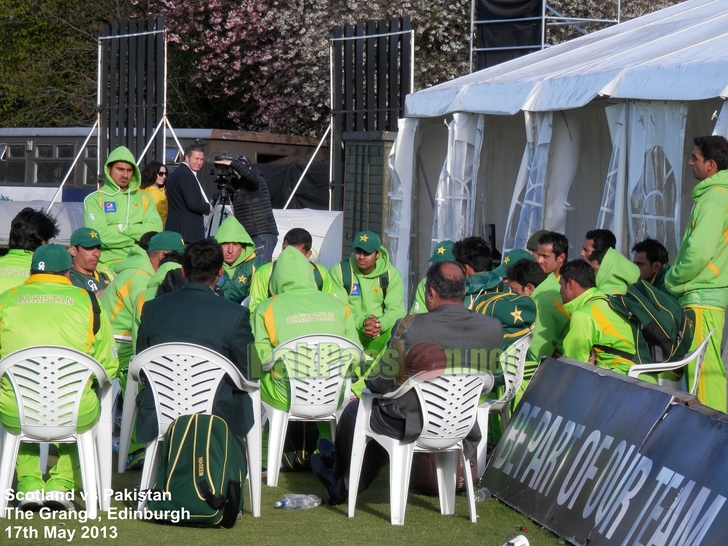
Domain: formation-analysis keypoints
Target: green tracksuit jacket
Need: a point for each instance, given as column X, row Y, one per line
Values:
column 592, row 323
column 365, row 298
column 49, row 310
column 616, row 273
column 121, row 218
column 149, row 294
column 132, row 276
column 296, row 309
column 260, row 286
column 418, row 303
column 14, row 268
column 699, row 274
column 238, row 276
column 552, row 320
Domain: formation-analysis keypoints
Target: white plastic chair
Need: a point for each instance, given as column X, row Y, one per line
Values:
column 316, row 386
column 698, row 355
column 49, row 382
column 512, row 362
column 184, row 379
column 449, row 406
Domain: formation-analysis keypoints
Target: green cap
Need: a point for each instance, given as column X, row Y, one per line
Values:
column 85, row 237
column 51, row 259
column 167, row 240
column 368, row 241
column 443, row 251
column 510, row 258
column 532, row 243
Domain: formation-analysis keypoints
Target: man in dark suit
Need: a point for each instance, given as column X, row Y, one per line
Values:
column 196, row 314
column 187, row 202
column 448, row 324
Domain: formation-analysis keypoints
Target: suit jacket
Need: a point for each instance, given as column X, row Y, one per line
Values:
column 195, row 314
column 453, row 328
column 187, row 204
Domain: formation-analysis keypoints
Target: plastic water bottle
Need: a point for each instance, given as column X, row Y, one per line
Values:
column 482, row 494
column 295, row 502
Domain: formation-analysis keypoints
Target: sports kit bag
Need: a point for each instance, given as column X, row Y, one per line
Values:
column 203, row 468
column 663, row 330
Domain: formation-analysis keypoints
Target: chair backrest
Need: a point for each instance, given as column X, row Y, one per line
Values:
column 699, row 355
column 49, row 382
column 318, row 368
column 512, row 362
column 183, row 377
column 449, row 406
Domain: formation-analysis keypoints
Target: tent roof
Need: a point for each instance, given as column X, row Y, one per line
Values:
column 679, row 53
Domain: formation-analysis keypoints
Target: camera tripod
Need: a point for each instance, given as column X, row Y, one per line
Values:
column 224, row 199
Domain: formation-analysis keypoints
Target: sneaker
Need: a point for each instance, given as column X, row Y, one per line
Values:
column 32, row 500
column 59, row 500
column 135, row 461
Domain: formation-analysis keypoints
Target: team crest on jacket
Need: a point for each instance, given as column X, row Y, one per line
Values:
column 109, row 206
column 355, row 290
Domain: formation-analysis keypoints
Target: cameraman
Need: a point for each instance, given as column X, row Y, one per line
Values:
column 252, row 206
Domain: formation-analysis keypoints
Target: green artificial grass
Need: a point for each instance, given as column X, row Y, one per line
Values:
column 324, row 525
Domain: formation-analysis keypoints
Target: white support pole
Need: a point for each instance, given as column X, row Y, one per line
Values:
column 303, row 174
column 70, row 170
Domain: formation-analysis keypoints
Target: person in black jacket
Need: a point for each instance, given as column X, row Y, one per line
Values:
column 448, row 324
column 252, row 206
column 196, row 314
column 185, row 198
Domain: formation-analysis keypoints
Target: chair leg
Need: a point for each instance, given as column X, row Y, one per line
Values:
column 469, row 488
column 8, row 456
column 481, row 452
column 44, row 448
column 447, row 473
column 152, row 458
column 277, row 427
column 87, row 460
column 400, row 466
column 254, row 444
column 128, row 416
column 357, row 458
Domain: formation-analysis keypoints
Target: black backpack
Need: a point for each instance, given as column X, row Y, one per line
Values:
column 347, row 274
column 663, row 330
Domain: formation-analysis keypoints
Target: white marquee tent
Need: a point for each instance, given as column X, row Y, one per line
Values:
column 595, row 132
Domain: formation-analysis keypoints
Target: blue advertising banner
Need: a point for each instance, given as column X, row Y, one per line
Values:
column 600, row 458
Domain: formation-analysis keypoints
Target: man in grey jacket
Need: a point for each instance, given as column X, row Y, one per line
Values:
column 448, row 324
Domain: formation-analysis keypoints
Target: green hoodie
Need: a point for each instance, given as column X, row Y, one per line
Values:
column 14, row 268
column 260, row 285
column 478, row 284
column 237, row 276
column 149, row 294
column 366, row 299
column 121, row 218
column 132, row 276
column 593, row 322
column 552, row 320
column 296, row 309
column 616, row 273
column 60, row 314
column 699, row 275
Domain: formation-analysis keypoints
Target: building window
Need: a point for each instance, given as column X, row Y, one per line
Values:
column 52, row 162
column 12, row 166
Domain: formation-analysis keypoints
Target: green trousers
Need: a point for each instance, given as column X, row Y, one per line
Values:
column 65, row 475
column 712, row 380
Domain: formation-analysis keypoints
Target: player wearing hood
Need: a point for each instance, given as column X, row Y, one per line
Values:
column 119, row 211
column 240, row 260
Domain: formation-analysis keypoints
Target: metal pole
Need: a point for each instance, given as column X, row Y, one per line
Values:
column 472, row 32
column 70, row 170
column 331, row 123
column 303, row 174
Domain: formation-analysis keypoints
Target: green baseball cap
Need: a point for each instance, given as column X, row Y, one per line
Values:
column 85, row 237
column 368, row 241
column 51, row 259
column 443, row 251
column 510, row 258
column 167, row 240
column 532, row 243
